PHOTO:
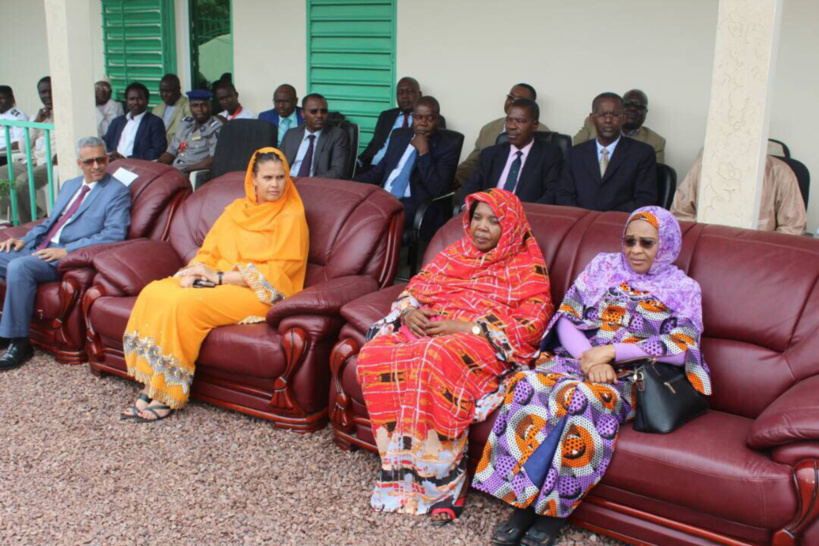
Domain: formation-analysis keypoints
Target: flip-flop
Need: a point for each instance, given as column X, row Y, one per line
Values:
column 453, row 510
column 142, row 396
column 153, row 409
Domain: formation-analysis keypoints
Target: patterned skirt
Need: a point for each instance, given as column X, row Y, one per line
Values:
column 421, row 397
column 554, row 437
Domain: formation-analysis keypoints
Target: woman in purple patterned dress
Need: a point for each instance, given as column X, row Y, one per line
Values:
column 556, row 432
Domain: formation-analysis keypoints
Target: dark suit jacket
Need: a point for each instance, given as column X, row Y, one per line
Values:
column 630, row 181
column 537, row 182
column 431, row 175
column 150, row 141
column 330, row 155
column 271, row 116
column 383, row 128
column 103, row 217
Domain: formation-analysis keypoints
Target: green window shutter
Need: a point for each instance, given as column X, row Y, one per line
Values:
column 140, row 43
column 351, row 58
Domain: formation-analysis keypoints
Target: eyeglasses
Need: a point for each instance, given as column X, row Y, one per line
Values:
column 646, row 244
column 317, row 111
column 102, row 160
column 636, row 105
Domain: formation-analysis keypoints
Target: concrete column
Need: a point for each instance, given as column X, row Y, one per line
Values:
column 70, row 56
column 736, row 134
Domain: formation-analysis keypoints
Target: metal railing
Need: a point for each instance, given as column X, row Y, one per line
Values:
column 32, row 189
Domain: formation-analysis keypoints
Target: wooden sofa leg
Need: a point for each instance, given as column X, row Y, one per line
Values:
column 295, row 343
column 341, row 414
column 806, row 478
column 92, row 340
column 68, row 298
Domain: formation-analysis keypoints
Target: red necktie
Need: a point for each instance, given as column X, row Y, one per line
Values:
column 64, row 218
column 406, row 120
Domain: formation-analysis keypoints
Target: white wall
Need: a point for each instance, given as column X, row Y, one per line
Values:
column 24, row 46
column 269, row 49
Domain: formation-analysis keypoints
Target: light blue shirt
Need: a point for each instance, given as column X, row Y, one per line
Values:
column 399, row 122
column 285, row 124
column 305, row 143
column 408, row 154
column 610, row 149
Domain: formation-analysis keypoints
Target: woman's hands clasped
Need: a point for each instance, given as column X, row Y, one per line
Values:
column 196, row 272
column 419, row 323
column 596, row 364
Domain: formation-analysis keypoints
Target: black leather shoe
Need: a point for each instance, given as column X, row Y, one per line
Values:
column 18, row 353
column 4, row 343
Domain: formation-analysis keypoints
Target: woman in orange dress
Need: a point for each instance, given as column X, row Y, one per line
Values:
column 254, row 256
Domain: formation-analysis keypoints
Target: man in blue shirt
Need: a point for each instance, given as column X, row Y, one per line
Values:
column 285, row 115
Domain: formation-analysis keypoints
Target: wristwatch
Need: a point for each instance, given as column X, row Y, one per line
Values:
column 477, row 330
column 220, row 274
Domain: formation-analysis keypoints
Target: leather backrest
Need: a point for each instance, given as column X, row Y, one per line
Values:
column 802, row 176
column 666, row 185
column 337, row 119
column 155, row 195
column 238, row 139
column 760, row 295
column 355, row 228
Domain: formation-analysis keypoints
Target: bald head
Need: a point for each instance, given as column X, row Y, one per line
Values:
column 635, row 106
column 285, row 100
column 407, row 93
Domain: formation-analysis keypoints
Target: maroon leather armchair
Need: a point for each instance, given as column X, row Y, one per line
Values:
column 57, row 325
column 279, row 369
column 743, row 473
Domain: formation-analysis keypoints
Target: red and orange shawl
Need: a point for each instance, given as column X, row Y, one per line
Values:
column 506, row 289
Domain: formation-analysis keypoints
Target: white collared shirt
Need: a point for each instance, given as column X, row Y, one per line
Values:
column 167, row 116
column 610, row 149
column 305, row 143
column 17, row 133
column 106, row 114
column 125, row 148
column 240, row 113
column 91, row 186
column 397, row 170
column 513, row 153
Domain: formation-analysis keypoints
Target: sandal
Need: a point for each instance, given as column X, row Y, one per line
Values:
column 157, row 417
column 449, row 509
column 135, row 410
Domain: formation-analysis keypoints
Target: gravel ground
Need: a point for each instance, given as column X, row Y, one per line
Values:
column 72, row 473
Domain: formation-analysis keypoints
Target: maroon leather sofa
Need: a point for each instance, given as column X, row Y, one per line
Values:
column 279, row 369
column 57, row 325
column 743, row 473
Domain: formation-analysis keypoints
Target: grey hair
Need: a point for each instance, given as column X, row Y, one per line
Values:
column 89, row 142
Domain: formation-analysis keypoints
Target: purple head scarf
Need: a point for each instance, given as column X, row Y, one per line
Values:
column 664, row 280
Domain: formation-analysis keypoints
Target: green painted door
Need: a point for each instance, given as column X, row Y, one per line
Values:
column 351, row 58
column 211, row 41
column 139, row 42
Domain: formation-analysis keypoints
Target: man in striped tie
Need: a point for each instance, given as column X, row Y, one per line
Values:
column 91, row 209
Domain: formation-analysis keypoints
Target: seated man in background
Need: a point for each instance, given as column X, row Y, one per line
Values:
column 9, row 111
column 194, row 143
column 636, row 108
column 611, row 172
column 407, row 93
column 92, row 209
column 524, row 166
column 107, row 108
column 781, row 208
column 490, row 132
column 138, row 134
column 285, row 114
column 315, row 149
column 419, row 163
column 174, row 107
column 228, row 99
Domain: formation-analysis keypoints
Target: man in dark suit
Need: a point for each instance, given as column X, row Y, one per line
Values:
column 315, row 149
column 90, row 210
column 419, row 164
column 527, row 167
column 139, row 133
column 611, row 172
column 285, row 114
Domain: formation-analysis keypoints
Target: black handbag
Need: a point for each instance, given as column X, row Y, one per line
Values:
column 666, row 400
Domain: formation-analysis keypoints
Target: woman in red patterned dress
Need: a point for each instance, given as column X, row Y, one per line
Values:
column 434, row 364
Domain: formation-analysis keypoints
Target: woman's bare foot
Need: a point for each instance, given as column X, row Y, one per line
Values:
column 132, row 412
column 155, row 411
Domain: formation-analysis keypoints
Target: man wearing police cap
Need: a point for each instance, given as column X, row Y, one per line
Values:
column 193, row 145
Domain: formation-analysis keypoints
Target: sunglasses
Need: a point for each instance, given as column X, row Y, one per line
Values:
column 636, row 105
column 646, row 244
column 101, row 160
column 318, row 110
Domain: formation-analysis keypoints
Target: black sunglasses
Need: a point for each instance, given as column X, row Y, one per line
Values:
column 102, row 160
column 647, row 244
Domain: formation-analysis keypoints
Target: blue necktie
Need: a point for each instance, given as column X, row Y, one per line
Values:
column 512, row 177
column 307, row 162
column 399, row 184
column 284, row 126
